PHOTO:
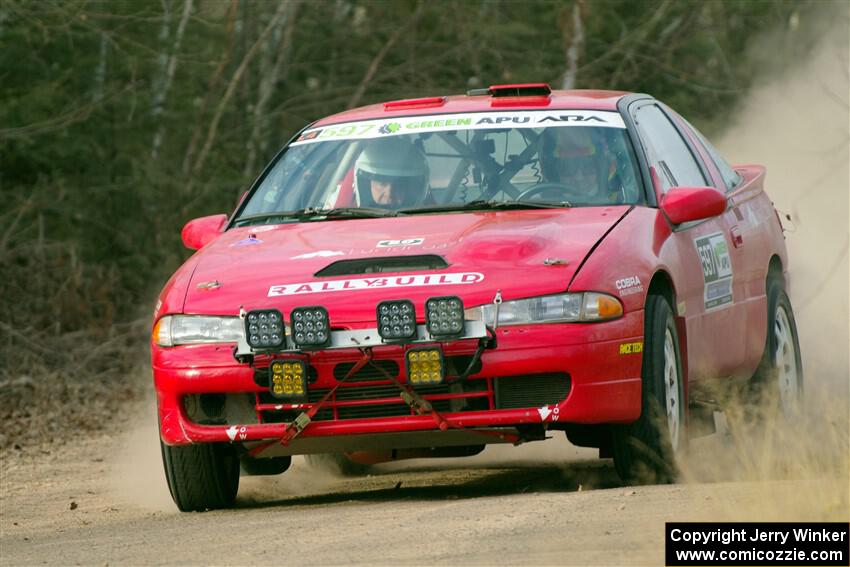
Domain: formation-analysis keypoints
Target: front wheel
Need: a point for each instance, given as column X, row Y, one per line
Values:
column 204, row 476
column 645, row 450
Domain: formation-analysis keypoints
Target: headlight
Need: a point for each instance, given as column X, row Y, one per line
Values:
column 173, row 330
column 562, row 308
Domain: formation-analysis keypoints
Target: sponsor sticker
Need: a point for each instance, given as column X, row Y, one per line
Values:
column 317, row 254
column 382, row 128
column 404, row 242
column 628, row 286
column 713, row 253
column 631, row 348
column 360, row 284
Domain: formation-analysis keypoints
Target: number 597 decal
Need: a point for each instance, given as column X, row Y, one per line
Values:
column 716, row 269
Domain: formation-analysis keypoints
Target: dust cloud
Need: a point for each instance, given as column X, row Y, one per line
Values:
column 797, row 124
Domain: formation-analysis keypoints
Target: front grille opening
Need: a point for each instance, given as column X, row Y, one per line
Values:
column 380, row 265
column 456, row 365
column 368, row 372
column 389, row 391
column 535, row 390
column 205, row 409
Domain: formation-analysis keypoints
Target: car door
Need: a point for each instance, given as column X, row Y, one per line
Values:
column 749, row 211
column 700, row 254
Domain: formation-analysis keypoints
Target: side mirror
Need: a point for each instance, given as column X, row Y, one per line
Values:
column 198, row 232
column 686, row 204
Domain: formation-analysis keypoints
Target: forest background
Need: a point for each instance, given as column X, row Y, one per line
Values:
column 120, row 121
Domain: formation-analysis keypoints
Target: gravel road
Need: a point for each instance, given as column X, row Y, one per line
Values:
column 103, row 501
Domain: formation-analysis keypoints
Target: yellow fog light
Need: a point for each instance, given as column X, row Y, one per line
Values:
column 425, row 366
column 288, row 379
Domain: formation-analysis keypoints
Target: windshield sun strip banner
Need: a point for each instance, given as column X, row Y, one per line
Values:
column 400, row 125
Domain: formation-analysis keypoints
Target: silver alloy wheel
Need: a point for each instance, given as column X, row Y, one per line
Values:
column 785, row 362
column 672, row 390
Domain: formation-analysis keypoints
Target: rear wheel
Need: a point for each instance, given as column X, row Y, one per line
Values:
column 204, row 476
column 645, row 450
column 778, row 382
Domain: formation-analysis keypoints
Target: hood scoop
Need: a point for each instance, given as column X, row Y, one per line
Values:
column 383, row 264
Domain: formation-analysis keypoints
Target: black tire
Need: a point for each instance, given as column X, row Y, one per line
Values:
column 337, row 464
column 645, row 451
column 776, row 389
column 204, row 476
column 264, row 467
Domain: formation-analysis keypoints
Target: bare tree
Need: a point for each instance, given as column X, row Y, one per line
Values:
column 574, row 40
column 275, row 53
column 161, row 95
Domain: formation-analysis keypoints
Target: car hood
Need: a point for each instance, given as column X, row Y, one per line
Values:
column 521, row 253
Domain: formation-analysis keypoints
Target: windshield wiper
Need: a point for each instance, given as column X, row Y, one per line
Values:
column 313, row 214
column 488, row 205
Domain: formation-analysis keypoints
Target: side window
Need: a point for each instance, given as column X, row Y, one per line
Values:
column 730, row 177
column 667, row 152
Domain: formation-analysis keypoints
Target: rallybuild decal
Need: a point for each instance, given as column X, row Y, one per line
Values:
column 383, row 128
column 716, row 269
column 459, row 278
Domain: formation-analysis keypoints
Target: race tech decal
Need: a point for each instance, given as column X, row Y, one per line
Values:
column 459, row 278
column 631, row 348
column 446, row 122
column 716, row 269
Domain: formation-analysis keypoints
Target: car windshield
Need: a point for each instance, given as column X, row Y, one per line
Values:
column 430, row 164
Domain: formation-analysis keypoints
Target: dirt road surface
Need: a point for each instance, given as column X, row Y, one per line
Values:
column 104, row 501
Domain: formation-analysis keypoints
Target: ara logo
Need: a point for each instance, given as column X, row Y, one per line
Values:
column 390, row 128
column 571, row 118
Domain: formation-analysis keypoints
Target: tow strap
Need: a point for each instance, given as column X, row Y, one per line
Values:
column 417, row 403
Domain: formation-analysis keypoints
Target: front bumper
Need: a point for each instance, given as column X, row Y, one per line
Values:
column 602, row 385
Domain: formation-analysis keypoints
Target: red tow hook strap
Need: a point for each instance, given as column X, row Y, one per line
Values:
column 421, row 406
column 300, row 423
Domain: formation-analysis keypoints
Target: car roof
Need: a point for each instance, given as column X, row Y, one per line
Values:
column 572, row 99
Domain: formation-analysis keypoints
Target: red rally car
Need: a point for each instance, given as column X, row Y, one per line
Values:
column 425, row 277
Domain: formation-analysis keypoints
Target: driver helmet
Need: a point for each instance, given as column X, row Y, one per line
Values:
column 391, row 174
column 571, row 156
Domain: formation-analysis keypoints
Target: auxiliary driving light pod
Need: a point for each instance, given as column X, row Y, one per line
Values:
column 264, row 329
column 310, row 327
column 396, row 320
column 425, row 366
column 288, row 379
column 444, row 316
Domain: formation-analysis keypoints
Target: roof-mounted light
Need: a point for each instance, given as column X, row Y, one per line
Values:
column 514, row 90
column 412, row 103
